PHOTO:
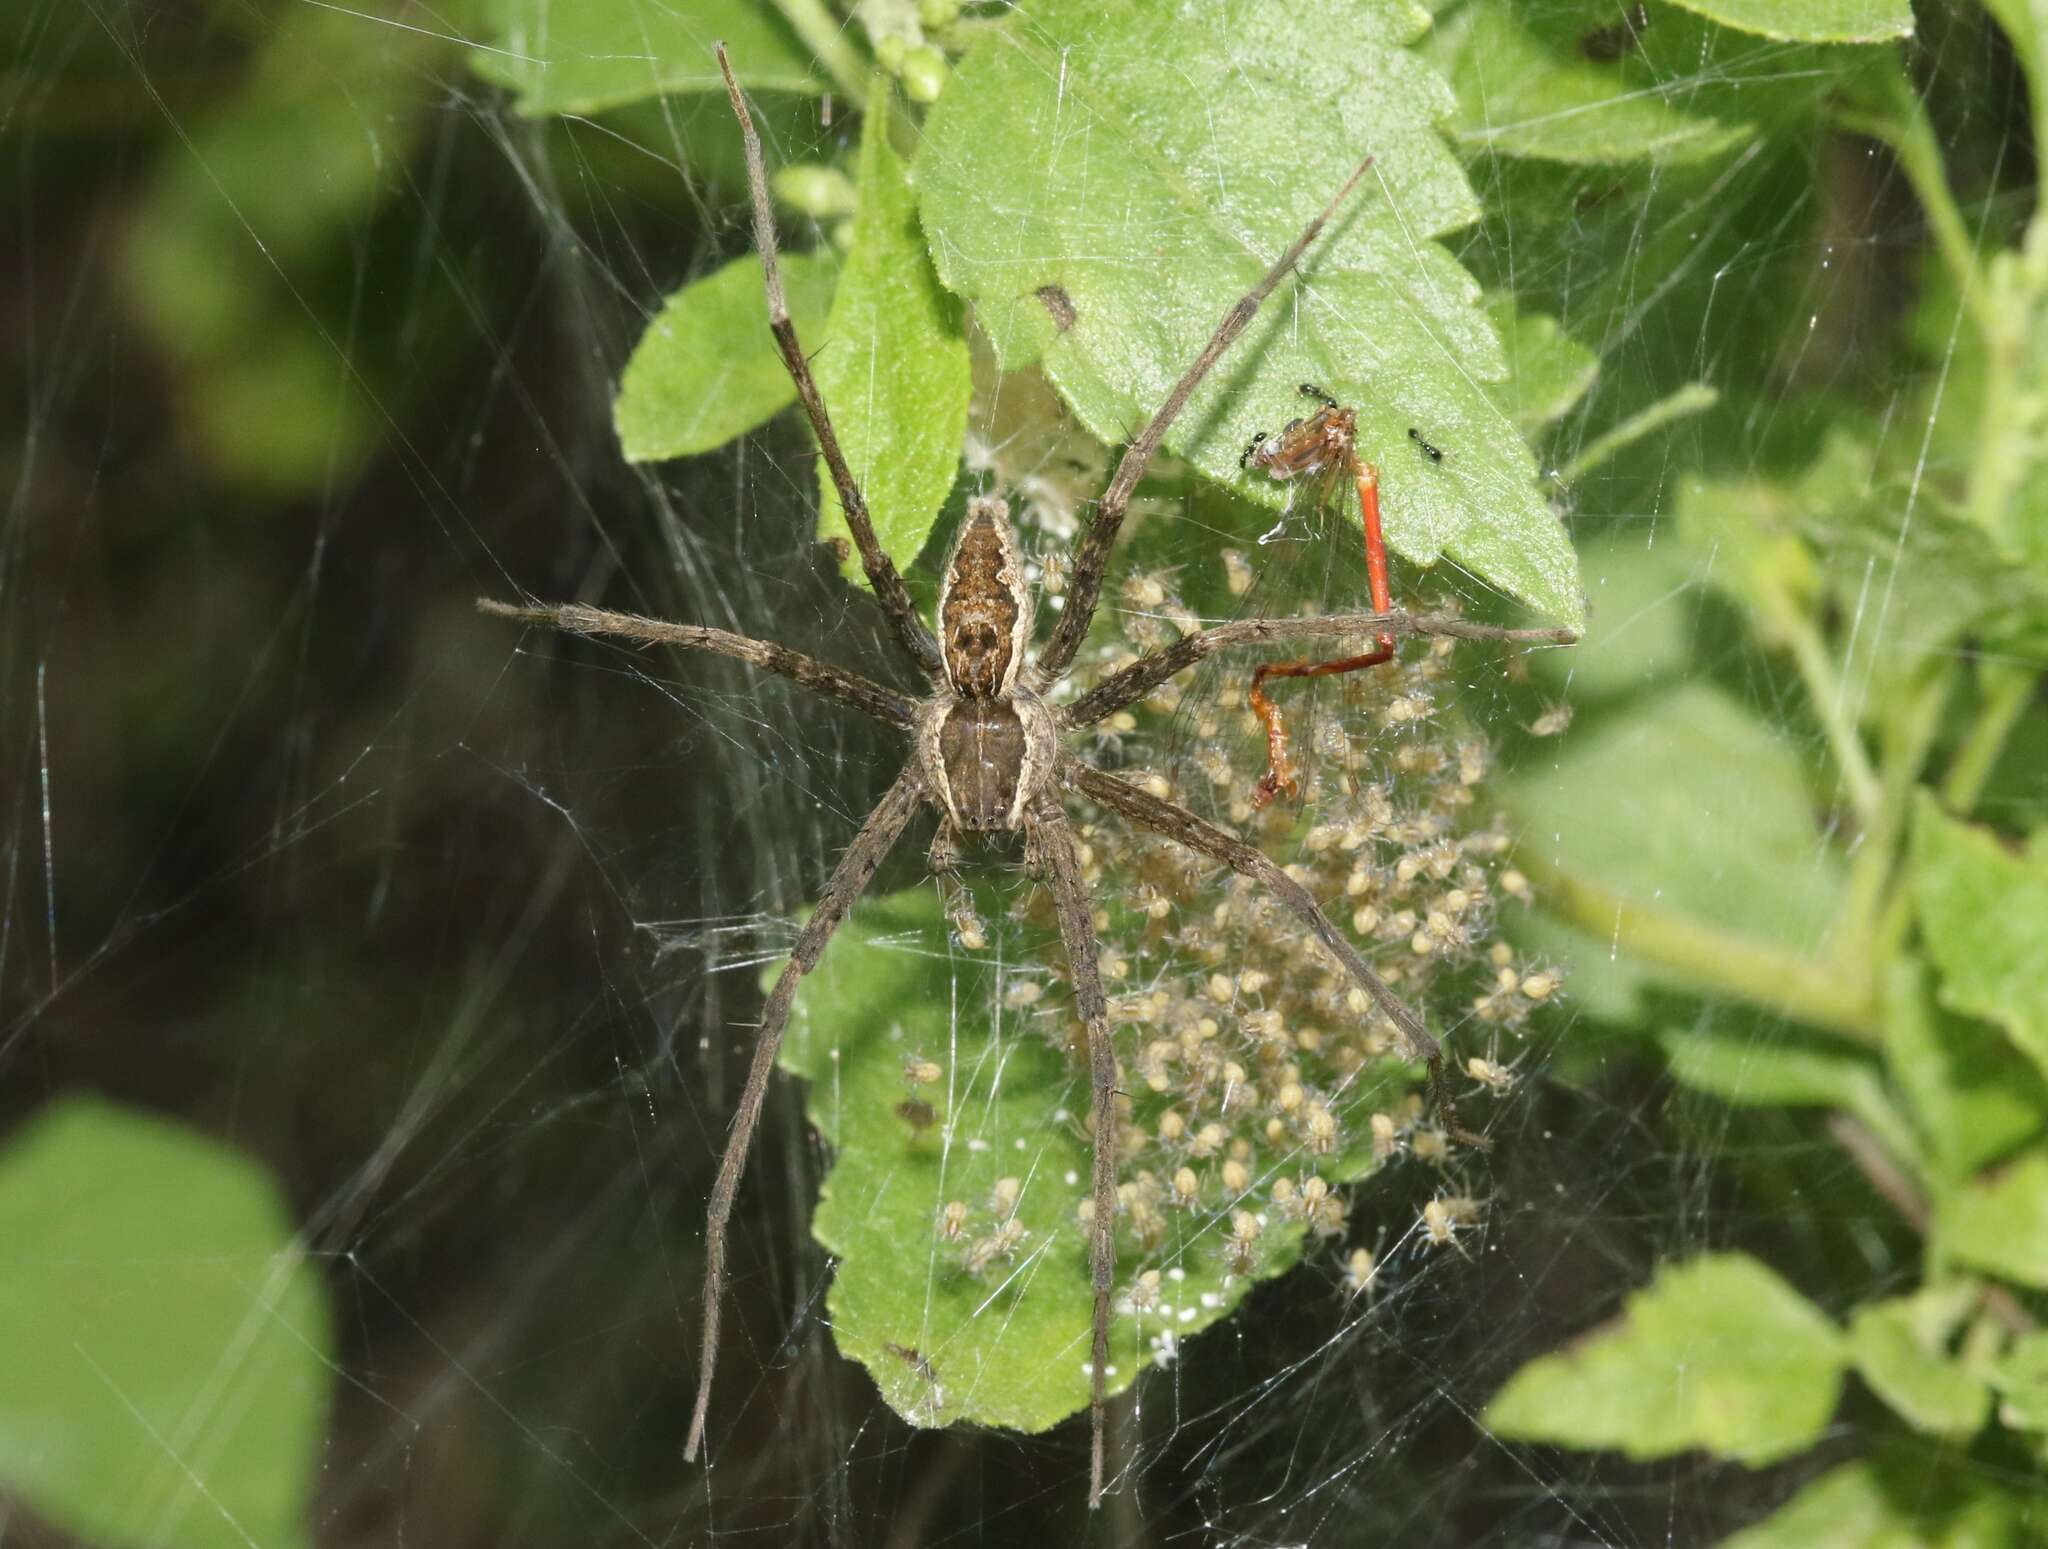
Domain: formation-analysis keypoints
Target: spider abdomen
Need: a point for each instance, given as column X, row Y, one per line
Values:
column 988, row 759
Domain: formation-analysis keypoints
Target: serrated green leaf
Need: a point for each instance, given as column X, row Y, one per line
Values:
column 1548, row 370
column 1973, row 1095
column 893, row 369
column 597, row 54
column 1527, row 93
column 707, row 368
column 1984, row 912
column 1900, row 1347
column 169, row 1354
column 2021, row 1378
column 1647, row 807
column 1717, row 1353
column 1862, row 1506
column 1811, row 21
column 1998, row 1222
column 1750, row 1073
column 1114, row 284
column 1008, row 1345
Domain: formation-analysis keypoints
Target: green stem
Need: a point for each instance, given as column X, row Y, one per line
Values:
column 1824, row 688
column 1816, row 993
column 1693, row 398
column 1870, row 908
column 825, row 36
column 2007, row 691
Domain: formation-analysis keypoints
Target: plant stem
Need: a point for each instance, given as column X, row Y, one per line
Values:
column 2007, row 691
column 825, row 36
column 1830, row 703
column 1693, row 398
column 1820, row 994
column 1870, row 935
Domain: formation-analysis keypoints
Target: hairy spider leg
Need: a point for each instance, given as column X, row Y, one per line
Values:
column 917, row 640
column 849, row 879
column 1054, row 841
column 1325, row 443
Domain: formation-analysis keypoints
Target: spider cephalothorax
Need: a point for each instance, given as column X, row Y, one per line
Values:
column 986, row 744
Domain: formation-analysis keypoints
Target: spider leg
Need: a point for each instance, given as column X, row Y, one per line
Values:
column 848, row 881
column 1134, row 682
column 1084, row 587
column 848, row 688
column 881, row 573
column 1205, row 838
column 1052, row 841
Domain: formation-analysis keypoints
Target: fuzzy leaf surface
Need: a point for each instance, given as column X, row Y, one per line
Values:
column 1811, row 21
column 597, row 54
column 1865, row 1506
column 1984, row 910
column 1527, row 89
column 1643, row 806
column 1973, row 1098
column 1999, row 1222
column 169, row 1353
column 1750, row 1073
column 707, row 369
column 1900, row 1349
column 1084, row 184
column 1717, row 1353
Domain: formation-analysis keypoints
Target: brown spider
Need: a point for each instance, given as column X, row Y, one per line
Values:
column 986, row 753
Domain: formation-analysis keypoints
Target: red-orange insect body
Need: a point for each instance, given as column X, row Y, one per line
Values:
column 1323, row 445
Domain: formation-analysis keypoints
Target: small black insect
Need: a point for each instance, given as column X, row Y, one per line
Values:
column 1433, row 453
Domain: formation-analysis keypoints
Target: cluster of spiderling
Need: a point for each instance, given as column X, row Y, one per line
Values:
column 1254, row 1077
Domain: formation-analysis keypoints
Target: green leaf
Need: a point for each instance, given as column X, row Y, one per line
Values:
column 1548, row 370
column 1752, row 1073
column 893, row 368
column 169, row 1354
column 2021, row 1378
column 1900, row 1348
column 1006, row 1346
column 1940, row 576
column 1984, row 911
column 1975, row 1098
column 1717, row 1353
column 1863, row 1506
column 1812, row 21
column 707, row 368
column 1694, row 809
column 1643, row 615
column 1529, row 92
column 1998, row 1222
column 1114, row 285
column 596, row 54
